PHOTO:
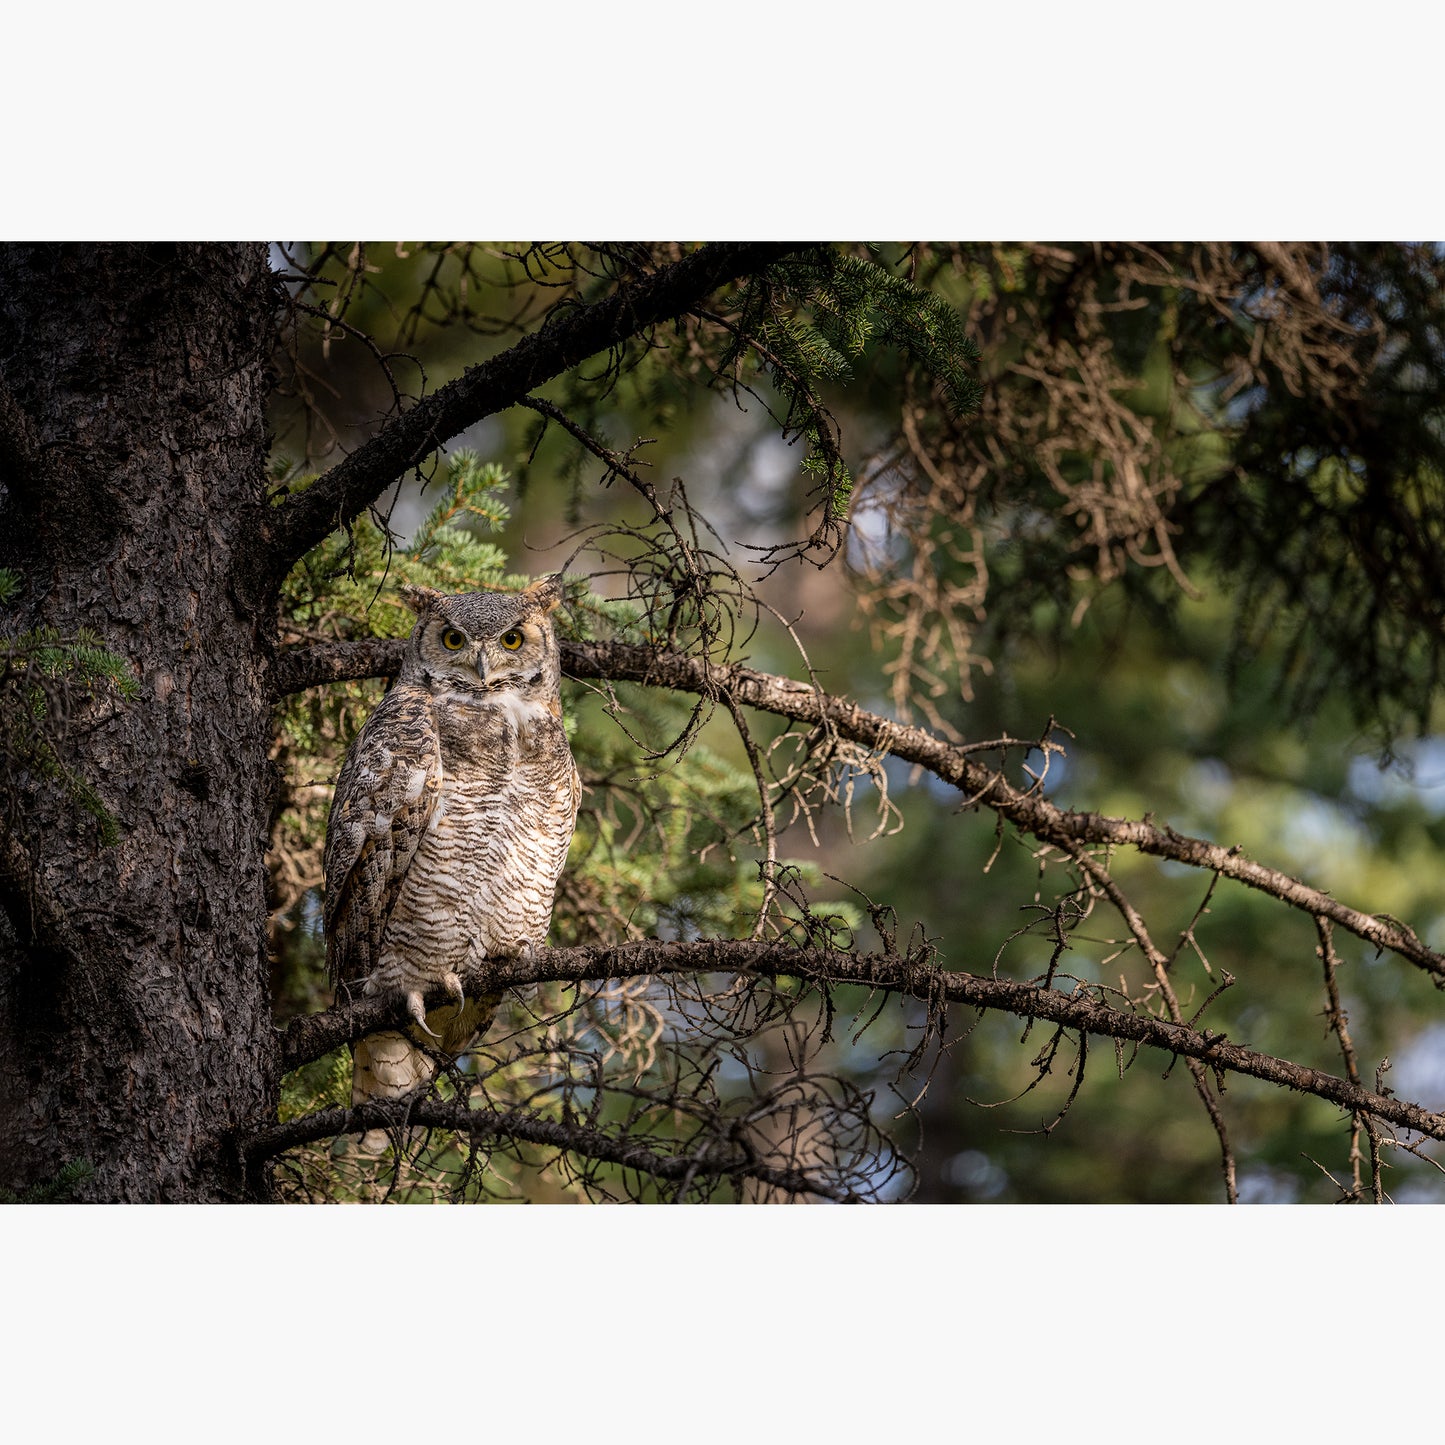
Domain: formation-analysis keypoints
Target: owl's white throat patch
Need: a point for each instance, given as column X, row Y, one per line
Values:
column 520, row 711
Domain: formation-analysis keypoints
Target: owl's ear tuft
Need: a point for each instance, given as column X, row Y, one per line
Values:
column 420, row 599
column 546, row 592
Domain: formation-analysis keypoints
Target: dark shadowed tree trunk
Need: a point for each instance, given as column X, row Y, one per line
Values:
column 134, row 1014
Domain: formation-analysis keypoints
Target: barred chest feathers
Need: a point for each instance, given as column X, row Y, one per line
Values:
column 482, row 882
column 466, row 772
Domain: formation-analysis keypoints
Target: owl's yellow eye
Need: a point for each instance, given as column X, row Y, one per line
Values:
column 452, row 639
column 511, row 639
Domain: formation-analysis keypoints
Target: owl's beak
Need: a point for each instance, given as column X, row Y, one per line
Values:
column 481, row 667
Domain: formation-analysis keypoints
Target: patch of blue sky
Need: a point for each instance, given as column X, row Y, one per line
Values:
column 1417, row 775
column 1267, row 1186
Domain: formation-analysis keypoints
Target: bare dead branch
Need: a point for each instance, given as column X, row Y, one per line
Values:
column 310, row 1038
column 532, row 1128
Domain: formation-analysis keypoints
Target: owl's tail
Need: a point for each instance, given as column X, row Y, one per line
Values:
column 392, row 1065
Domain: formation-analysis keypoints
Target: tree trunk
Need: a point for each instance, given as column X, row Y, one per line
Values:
column 135, row 1029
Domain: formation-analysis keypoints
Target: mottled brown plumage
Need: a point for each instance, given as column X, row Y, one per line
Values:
column 451, row 821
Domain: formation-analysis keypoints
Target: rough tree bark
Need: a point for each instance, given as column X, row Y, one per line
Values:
column 135, row 1029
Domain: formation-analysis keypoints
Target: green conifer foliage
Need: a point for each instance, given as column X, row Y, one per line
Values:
column 808, row 321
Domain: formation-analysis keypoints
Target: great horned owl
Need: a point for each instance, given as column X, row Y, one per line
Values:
column 451, row 821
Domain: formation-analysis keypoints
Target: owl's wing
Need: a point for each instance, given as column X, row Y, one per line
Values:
column 384, row 799
column 576, row 807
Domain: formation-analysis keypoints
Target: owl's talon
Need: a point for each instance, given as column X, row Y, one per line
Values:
column 453, row 985
column 417, row 1010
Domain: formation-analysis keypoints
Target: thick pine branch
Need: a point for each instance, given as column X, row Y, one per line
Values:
column 298, row 668
column 310, row 1038
column 953, row 763
column 569, row 338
